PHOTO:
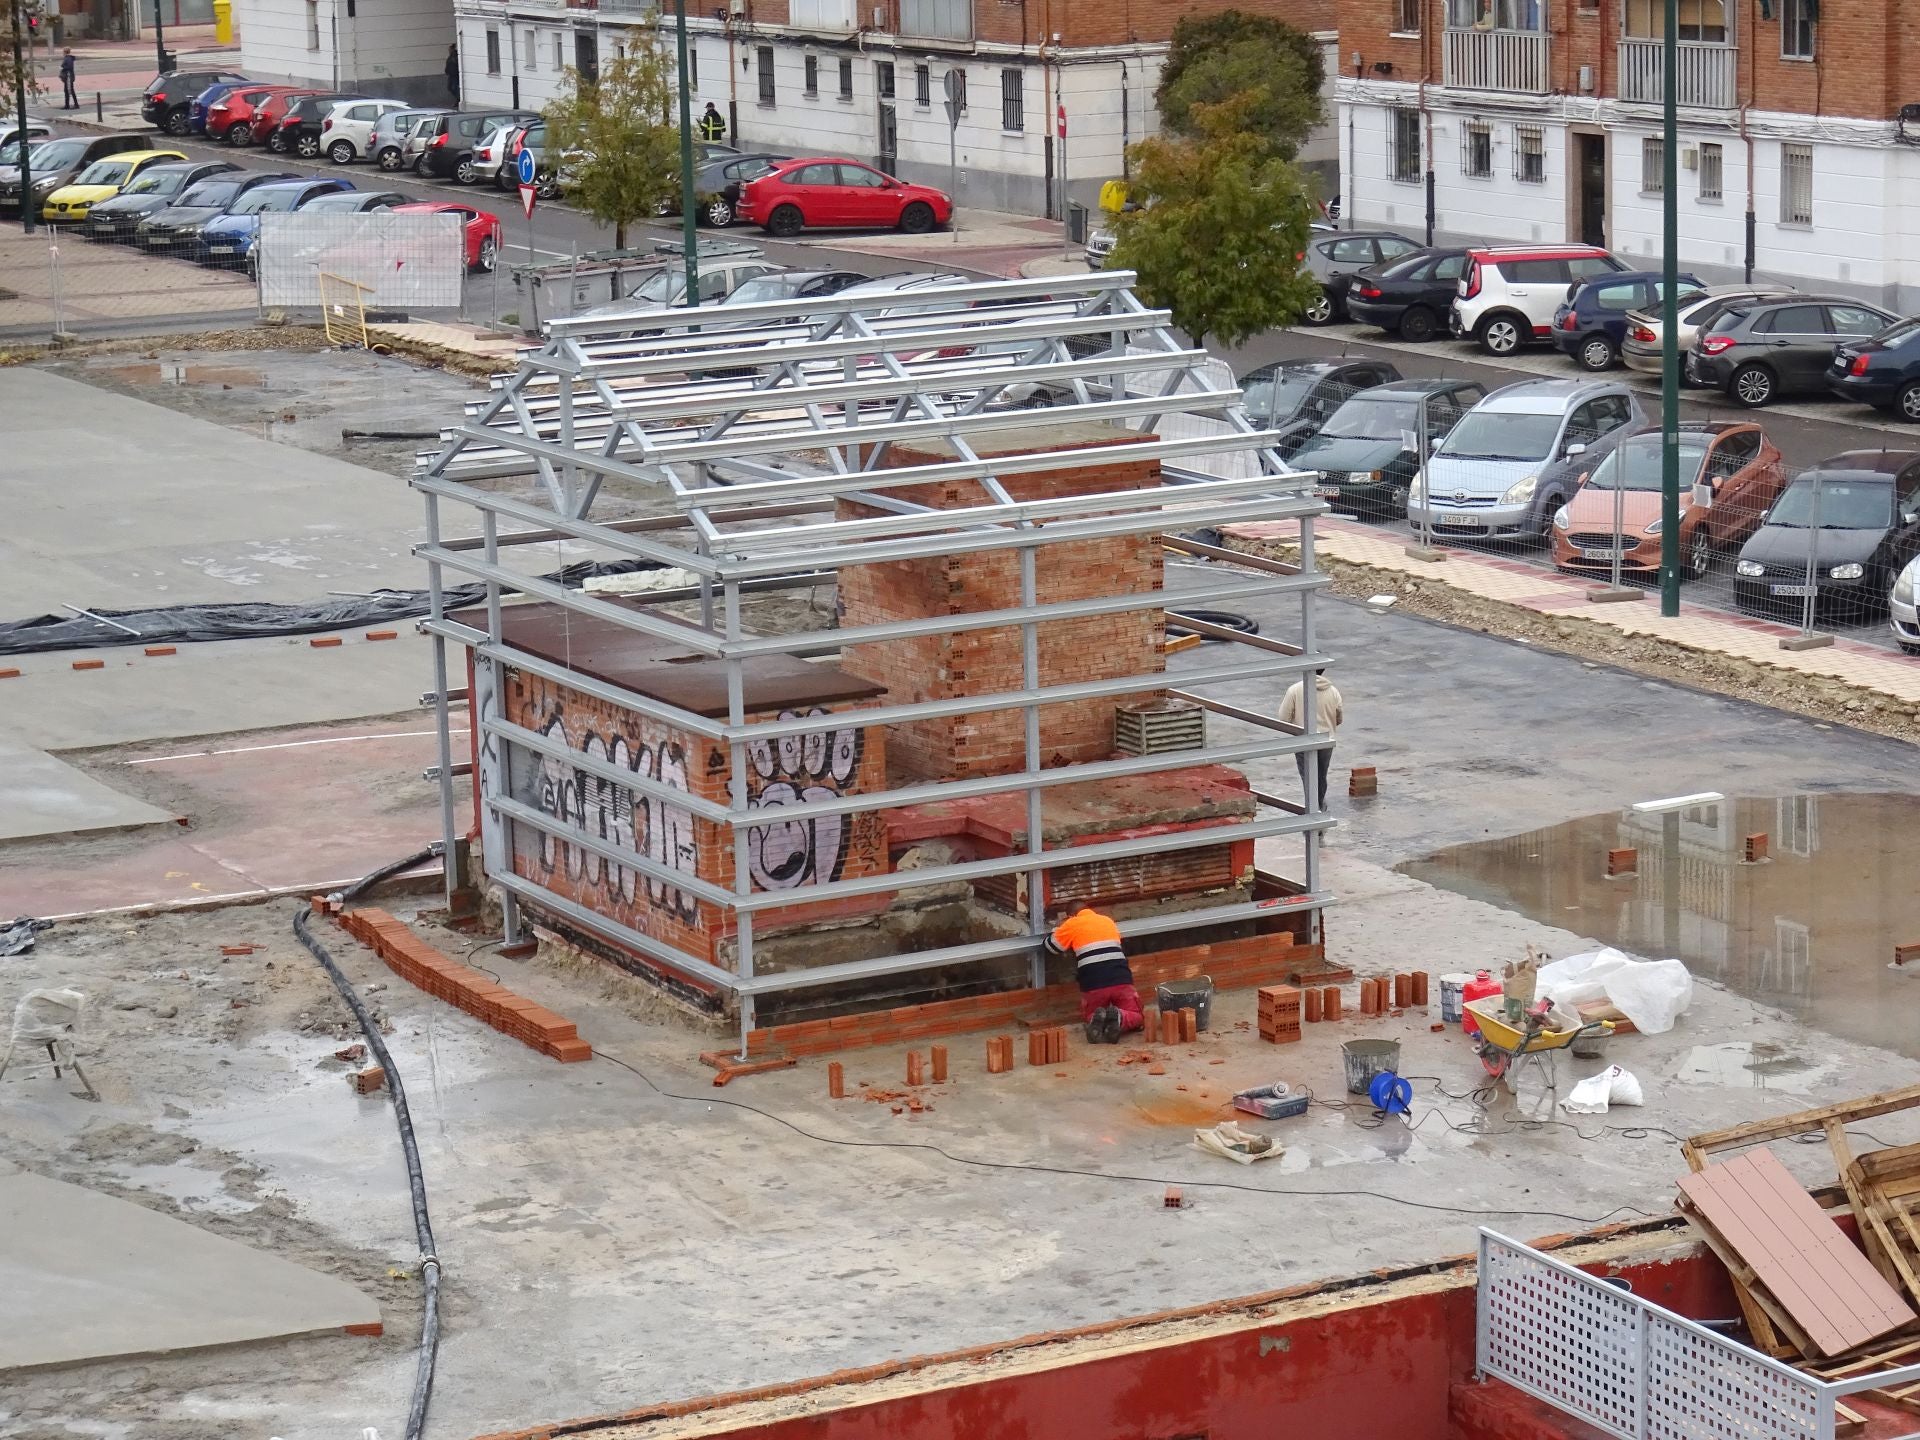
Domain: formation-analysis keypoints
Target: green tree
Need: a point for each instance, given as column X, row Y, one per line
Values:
column 1267, row 67
column 1221, row 226
column 614, row 135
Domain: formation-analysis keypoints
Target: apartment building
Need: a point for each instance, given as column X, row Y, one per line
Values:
column 385, row 48
column 1519, row 120
column 866, row 78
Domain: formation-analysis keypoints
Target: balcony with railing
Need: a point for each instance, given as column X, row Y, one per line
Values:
column 1514, row 61
column 1705, row 74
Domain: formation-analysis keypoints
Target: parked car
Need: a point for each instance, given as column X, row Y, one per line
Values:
column 180, row 227
column 228, row 238
column 168, row 98
column 36, row 130
column 449, row 139
column 824, row 193
column 716, row 185
column 356, row 202
column 151, row 191
column 1369, row 450
column 1410, row 295
column 665, row 288
column 1857, row 516
column 346, row 130
column 267, row 115
column 1640, row 350
column 529, row 136
column 1903, row 613
column 102, row 180
column 481, row 229
column 56, row 162
column 1762, row 350
column 231, row 115
column 792, row 285
column 198, row 107
column 1882, row 370
column 1730, row 475
column 388, row 143
column 1591, row 323
column 1335, row 259
column 491, row 155
column 1297, row 397
column 1508, row 293
column 304, row 124
column 1506, row 469
column 708, row 153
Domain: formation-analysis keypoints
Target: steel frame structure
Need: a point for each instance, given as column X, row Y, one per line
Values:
column 749, row 422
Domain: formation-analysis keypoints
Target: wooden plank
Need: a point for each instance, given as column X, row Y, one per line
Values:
column 1843, row 1160
column 1828, row 1287
column 1772, row 1328
column 1802, row 1121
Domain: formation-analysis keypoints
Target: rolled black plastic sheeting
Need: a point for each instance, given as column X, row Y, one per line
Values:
column 1225, row 619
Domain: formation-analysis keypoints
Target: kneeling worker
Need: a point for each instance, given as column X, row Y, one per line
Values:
column 1108, row 1002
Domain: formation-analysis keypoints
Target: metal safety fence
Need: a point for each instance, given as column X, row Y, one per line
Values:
column 1633, row 1368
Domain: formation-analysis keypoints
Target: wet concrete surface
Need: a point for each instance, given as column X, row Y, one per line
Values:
column 1811, row 929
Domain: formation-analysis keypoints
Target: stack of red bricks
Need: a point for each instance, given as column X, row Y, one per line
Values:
column 1180, row 1025
column 1279, row 1014
column 999, row 1054
column 412, row 959
column 1048, row 1046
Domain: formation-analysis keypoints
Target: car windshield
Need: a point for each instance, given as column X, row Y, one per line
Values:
column 212, row 194
column 1636, row 464
column 54, row 154
column 1375, row 418
column 334, row 202
column 103, row 172
column 661, row 288
column 158, row 182
column 267, row 197
column 1276, row 396
column 762, row 287
column 1835, row 504
column 1503, row 435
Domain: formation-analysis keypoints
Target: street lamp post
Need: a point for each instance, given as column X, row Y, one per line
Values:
column 159, row 39
column 689, row 236
column 1670, row 319
column 27, row 208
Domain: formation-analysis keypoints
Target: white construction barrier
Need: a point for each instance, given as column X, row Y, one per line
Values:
column 408, row 262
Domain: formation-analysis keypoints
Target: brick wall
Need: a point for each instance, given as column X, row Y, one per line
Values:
column 1088, row 22
column 981, row 662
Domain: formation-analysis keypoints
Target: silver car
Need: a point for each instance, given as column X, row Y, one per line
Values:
column 1517, row 456
column 388, row 145
column 1334, row 259
column 1903, row 608
column 1640, row 349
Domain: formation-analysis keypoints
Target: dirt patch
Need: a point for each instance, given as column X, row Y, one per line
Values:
column 1823, row 699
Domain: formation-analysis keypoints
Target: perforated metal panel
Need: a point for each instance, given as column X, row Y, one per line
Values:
column 1701, row 1392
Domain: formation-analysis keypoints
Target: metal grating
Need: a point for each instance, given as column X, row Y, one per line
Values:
column 1155, row 728
column 1562, row 1336
column 1699, row 1393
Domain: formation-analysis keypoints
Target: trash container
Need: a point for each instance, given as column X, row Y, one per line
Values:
column 169, row 62
column 1076, row 223
column 223, row 22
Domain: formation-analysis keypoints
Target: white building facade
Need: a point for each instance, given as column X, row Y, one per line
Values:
column 380, row 48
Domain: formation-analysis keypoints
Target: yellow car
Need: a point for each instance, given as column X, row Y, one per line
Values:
column 102, row 180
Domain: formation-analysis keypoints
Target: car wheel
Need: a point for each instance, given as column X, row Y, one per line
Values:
column 1419, row 324
column 240, row 136
column 1910, row 402
column 1499, row 335
column 1319, row 310
column 1752, row 386
column 308, row 147
column 718, row 212
column 464, row 173
column 1699, row 554
column 662, row 208
column 177, row 123
column 547, row 187
column 489, row 253
column 785, row 220
column 917, row 218
column 390, row 158
column 341, row 152
column 276, row 144
column 1597, row 352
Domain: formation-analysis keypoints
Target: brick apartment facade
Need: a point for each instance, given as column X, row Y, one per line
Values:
column 863, row 78
column 1540, row 120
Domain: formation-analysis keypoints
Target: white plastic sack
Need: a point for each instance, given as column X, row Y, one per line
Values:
column 1650, row 993
column 1612, row 1086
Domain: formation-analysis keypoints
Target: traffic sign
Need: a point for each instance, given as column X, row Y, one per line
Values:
column 525, row 167
column 527, row 194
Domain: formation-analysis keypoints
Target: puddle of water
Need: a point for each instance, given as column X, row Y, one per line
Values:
column 1744, row 1065
column 1811, row 930
column 168, row 372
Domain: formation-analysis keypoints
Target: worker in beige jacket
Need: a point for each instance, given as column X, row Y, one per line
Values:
column 1327, row 717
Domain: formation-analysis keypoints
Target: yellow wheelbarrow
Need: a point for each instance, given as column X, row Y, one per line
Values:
column 1504, row 1047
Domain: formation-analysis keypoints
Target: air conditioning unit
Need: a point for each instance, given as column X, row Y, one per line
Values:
column 737, row 9
column 1159, row 726
column 1586, row 79
column 879, row 17
column 1690, row 158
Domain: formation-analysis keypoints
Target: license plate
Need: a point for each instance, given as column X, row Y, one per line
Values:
column 220, row 249
column 1801, row 591
column 1445, row 524
column 1599, row 553
column 1327, row 492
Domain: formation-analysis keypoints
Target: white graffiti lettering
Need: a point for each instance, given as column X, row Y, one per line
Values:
column 797, row 770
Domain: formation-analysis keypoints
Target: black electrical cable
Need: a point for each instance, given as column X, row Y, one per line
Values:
column 1225, row 619
column 1180, row 1180
column 422, row 1225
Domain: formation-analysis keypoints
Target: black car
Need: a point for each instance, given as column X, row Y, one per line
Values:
column 1335, row 259
column 56, row 162
column 169, row 97
column 298, row 132
column 716, row 184
column 1296, row 397
column 151, row 191
column 1369, row 450
column 1762, row 350
column 180, row 228
column 792, row 285
column 450, row 138
column 1855, row 516
column 1411, row 295
column 1883, row 371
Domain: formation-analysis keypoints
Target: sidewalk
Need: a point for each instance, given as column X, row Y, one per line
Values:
column 118, row 71
column 1509, row 582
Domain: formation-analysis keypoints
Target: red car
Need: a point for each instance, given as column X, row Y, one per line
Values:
column 230, row 118
column 483, row 230
column 820, row 193
column 268, row 114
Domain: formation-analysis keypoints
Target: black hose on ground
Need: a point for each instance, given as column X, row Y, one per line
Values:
column 422, row 1225
column 1225, row 619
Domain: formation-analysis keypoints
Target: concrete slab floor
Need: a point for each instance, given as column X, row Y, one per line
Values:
column 47, row 798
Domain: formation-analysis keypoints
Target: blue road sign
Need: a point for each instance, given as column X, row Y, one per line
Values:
column 525, row 167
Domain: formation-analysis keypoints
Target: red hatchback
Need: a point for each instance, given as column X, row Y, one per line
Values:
column 818, row 194
column 267, row 116
column 230, row 118
column 483, row 229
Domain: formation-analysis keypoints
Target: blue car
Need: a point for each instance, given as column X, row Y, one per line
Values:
column 1883, row 370
column 228, row 240
column 1591, row 322
column 206, row 99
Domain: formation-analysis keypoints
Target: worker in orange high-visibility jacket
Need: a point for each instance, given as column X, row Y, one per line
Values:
column 1108, row 1002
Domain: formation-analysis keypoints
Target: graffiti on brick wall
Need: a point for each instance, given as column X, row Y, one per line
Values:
column 626, row 819
column 794, row 770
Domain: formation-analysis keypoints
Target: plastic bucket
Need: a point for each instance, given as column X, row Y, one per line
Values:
column 1452, row 999
column 1366, row 1059
column 1195, row 995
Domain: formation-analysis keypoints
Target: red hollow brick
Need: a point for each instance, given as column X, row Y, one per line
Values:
column 89, row 664
column 939, row 1057
column 154, row 652
column 837, row 1081
column 324, row 642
